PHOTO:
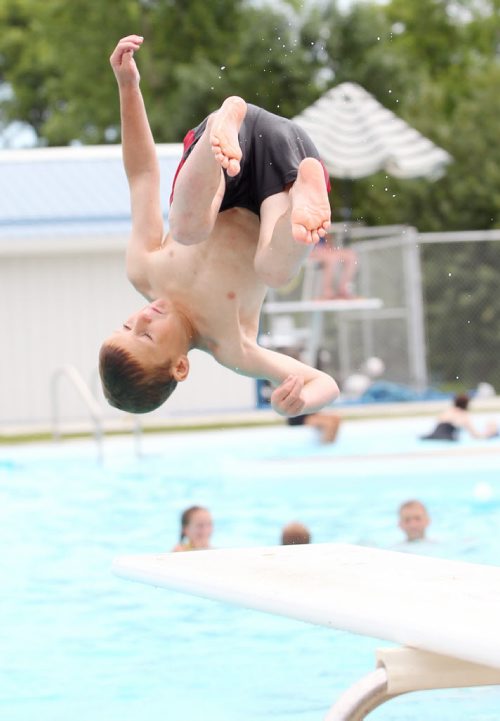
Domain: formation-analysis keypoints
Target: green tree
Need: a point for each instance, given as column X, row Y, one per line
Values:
column 55, row 59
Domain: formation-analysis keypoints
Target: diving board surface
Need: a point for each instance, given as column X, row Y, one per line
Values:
column 446, row 607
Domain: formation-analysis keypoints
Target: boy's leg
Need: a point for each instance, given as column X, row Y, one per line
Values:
column 200, row 185
column 291, row 222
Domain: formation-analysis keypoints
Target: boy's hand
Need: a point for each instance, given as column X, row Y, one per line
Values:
column 287, row 399
column 122, row 60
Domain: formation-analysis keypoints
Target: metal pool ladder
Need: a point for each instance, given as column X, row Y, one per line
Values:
column 71, row 373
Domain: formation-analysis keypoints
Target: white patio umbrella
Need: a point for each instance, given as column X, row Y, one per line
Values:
column 356, row 136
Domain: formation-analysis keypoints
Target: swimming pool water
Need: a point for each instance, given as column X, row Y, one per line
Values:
column 78, row 643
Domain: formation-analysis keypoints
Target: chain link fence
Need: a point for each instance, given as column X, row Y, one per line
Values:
column 461, row 291
column 439, row 322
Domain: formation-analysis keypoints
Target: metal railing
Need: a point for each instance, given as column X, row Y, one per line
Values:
column 71, row 373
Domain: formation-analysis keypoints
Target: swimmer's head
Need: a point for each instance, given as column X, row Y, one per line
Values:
column 413, row 520
column 196, row 526
column 295, row 534
column 461, row 401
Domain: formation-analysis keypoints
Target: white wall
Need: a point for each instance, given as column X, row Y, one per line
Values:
column 56, row 306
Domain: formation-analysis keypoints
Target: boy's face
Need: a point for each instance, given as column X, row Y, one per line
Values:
column 413, row 520
column 152, row 335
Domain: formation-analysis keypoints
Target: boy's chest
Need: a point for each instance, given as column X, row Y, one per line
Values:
column 217, row 274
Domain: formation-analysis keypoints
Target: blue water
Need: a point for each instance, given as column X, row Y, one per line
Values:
column 78, row 643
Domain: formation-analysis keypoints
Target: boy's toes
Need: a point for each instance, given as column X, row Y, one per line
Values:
column 233, row 167
column 300, row 233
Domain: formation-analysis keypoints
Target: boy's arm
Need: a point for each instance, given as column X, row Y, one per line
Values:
column 140, row 162
column 299, row 387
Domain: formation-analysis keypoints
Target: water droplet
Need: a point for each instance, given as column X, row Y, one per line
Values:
column 222, row 67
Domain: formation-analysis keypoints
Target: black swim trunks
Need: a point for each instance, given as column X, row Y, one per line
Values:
column 272, row 149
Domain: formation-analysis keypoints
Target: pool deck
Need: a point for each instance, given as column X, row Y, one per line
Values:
column 249, row 417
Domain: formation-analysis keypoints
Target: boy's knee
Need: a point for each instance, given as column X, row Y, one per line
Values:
column 183, row 231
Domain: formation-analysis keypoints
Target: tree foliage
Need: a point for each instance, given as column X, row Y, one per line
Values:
column 55, row 59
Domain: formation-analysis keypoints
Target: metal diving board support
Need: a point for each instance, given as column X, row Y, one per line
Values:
column 405, row 670
column 444, row 613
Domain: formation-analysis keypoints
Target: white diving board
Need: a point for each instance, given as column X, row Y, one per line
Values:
column 444, row 607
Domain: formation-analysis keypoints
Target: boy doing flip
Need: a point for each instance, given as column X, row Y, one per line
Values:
column 249, row 202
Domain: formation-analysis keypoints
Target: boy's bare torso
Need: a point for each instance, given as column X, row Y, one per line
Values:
column 214, row 280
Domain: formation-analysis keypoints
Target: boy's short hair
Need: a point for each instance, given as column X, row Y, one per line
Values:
column 129, row 386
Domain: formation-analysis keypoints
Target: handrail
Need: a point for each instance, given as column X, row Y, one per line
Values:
column 85, row 394
column 136, row 422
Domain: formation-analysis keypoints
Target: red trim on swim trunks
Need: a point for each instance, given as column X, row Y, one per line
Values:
column 188, row 141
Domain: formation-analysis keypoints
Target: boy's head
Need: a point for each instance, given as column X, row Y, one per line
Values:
column 413, row 520
column 141, row 363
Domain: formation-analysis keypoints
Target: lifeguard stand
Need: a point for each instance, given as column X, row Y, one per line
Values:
column 384, row 318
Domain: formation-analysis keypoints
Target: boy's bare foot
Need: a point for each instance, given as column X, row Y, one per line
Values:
column 310, row 207
column 224, row 134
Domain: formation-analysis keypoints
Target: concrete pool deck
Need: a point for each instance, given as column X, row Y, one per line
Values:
column 249, row 417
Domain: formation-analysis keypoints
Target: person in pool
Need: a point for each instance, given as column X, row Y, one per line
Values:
column 413, row 520
column 250, row 200
column 452, row 420
column 196, row 530
column 326, row 422
column 295, row 534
